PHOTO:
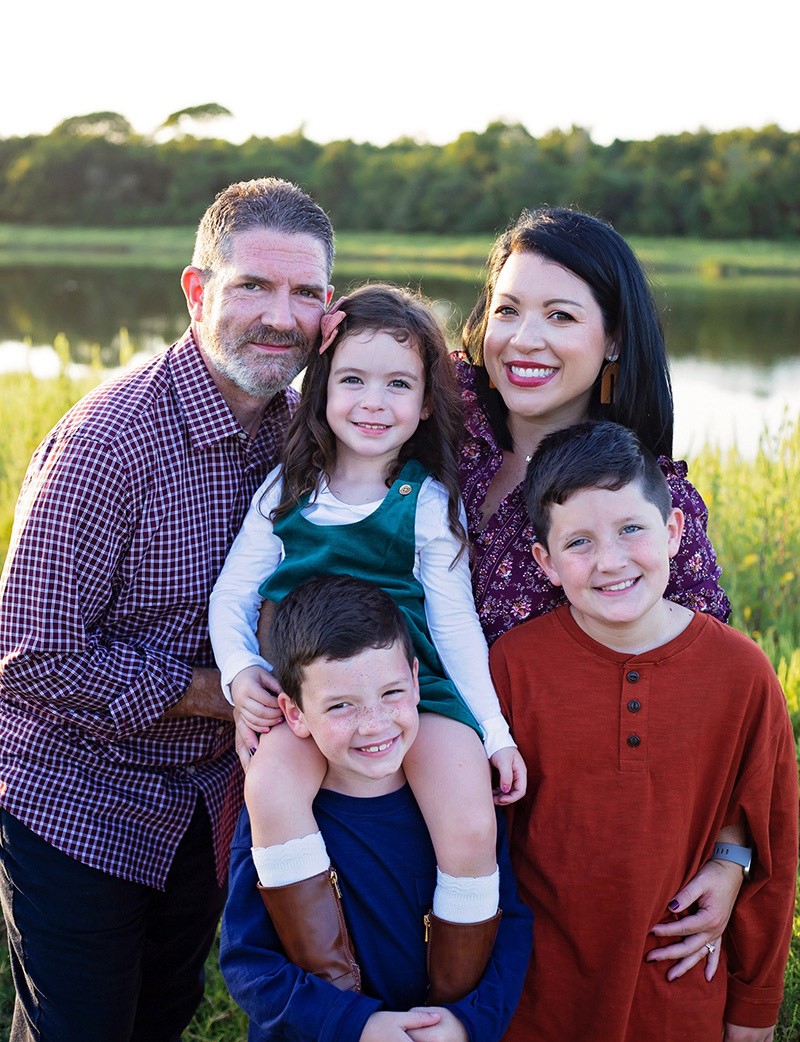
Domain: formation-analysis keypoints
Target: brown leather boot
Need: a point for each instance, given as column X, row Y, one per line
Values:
column 309, row 921
column 457, row 956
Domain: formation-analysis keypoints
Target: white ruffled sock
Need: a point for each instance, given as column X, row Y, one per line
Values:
column 290, row 862
column 466, row 899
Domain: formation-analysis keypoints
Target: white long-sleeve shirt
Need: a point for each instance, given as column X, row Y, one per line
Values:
column 449, row 608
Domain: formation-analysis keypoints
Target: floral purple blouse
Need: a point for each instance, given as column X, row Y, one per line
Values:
column 509, row 586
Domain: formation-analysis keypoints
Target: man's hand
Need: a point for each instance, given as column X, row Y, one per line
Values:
column 398, row 1027
column 203, row 697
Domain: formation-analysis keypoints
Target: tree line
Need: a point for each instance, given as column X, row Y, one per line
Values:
column 96, row 171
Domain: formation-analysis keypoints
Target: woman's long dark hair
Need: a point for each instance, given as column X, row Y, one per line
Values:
column 596, row 253
column 310, row 449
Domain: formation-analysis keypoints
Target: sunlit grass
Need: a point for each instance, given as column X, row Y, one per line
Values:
column 755, row 528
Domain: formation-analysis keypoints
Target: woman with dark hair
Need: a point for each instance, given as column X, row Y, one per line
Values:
column 566, row 329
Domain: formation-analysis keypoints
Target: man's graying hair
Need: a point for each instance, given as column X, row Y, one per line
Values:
column 267, row 202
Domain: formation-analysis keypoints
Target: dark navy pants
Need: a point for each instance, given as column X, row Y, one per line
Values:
column 98, row 959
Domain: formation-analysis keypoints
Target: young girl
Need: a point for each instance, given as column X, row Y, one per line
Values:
column 369, row 487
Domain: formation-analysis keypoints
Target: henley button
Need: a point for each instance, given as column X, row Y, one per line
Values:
column 634, row 705
column 634, row 740
column 632, row 677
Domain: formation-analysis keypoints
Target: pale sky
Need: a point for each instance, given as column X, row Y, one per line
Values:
column 375, row 71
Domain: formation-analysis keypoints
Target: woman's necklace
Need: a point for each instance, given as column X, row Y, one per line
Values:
column 528, row 455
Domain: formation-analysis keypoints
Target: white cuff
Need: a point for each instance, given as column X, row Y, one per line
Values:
column 496, row 734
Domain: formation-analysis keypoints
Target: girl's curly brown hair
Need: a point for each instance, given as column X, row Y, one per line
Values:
column 310, row 449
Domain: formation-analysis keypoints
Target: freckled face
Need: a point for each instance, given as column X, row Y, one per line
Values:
column 362, row 713
column 545, row 342
column 257, row 315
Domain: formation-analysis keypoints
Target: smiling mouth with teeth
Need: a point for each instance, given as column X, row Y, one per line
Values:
column 624, row 585
column 377, row 748
column 539, row 373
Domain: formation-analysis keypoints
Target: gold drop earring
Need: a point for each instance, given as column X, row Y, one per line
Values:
column 608, row 381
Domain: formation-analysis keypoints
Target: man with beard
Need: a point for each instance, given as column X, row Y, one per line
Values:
column 119, row 782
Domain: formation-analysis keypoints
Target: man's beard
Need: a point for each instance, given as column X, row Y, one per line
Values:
column 259, row 375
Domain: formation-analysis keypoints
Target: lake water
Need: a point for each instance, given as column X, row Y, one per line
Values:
column 734, row 349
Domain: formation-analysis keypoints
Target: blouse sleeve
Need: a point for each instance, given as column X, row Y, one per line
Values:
column 694, row 573
column 235, row 600
column 452, row 619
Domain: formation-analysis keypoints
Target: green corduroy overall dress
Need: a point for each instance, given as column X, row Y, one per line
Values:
column 381, row 549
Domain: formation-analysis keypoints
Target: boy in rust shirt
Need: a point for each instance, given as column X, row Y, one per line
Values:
column 646, row 729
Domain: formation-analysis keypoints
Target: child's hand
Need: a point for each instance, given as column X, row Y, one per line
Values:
column 513, row 775
column 398, row 1027
column 449, row 1028
column 715, row 889
column 255, row 694
column 735, row 1033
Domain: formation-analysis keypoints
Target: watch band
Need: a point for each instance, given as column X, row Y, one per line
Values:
column 731, row 852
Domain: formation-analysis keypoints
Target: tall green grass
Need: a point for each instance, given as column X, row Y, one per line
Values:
column 754, row 523
column 755, row 527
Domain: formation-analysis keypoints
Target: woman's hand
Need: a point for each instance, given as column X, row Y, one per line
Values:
column 715, row 889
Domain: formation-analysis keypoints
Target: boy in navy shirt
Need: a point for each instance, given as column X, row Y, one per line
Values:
column 345, row 662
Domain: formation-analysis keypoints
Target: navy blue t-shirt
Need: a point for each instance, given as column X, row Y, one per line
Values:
column 386, row 866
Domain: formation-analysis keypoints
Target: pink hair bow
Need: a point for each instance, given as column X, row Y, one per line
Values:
column 329, row 323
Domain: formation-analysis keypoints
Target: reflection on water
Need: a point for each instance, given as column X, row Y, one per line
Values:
column 735, row 353
column 731, row 404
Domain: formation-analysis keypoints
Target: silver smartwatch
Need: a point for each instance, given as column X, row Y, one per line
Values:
column 738, row 855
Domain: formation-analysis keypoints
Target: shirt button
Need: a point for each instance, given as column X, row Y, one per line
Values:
column 191, row 769
column 632, row 676
column 634, row 705
column 634, row 740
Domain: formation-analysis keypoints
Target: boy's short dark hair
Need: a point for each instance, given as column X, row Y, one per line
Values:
column 332, row 617
column 593, row 454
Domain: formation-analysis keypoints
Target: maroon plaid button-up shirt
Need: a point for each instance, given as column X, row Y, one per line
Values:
column 125, row 517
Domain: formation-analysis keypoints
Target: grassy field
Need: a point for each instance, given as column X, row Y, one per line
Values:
column 385, row 254
column 755, row 527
